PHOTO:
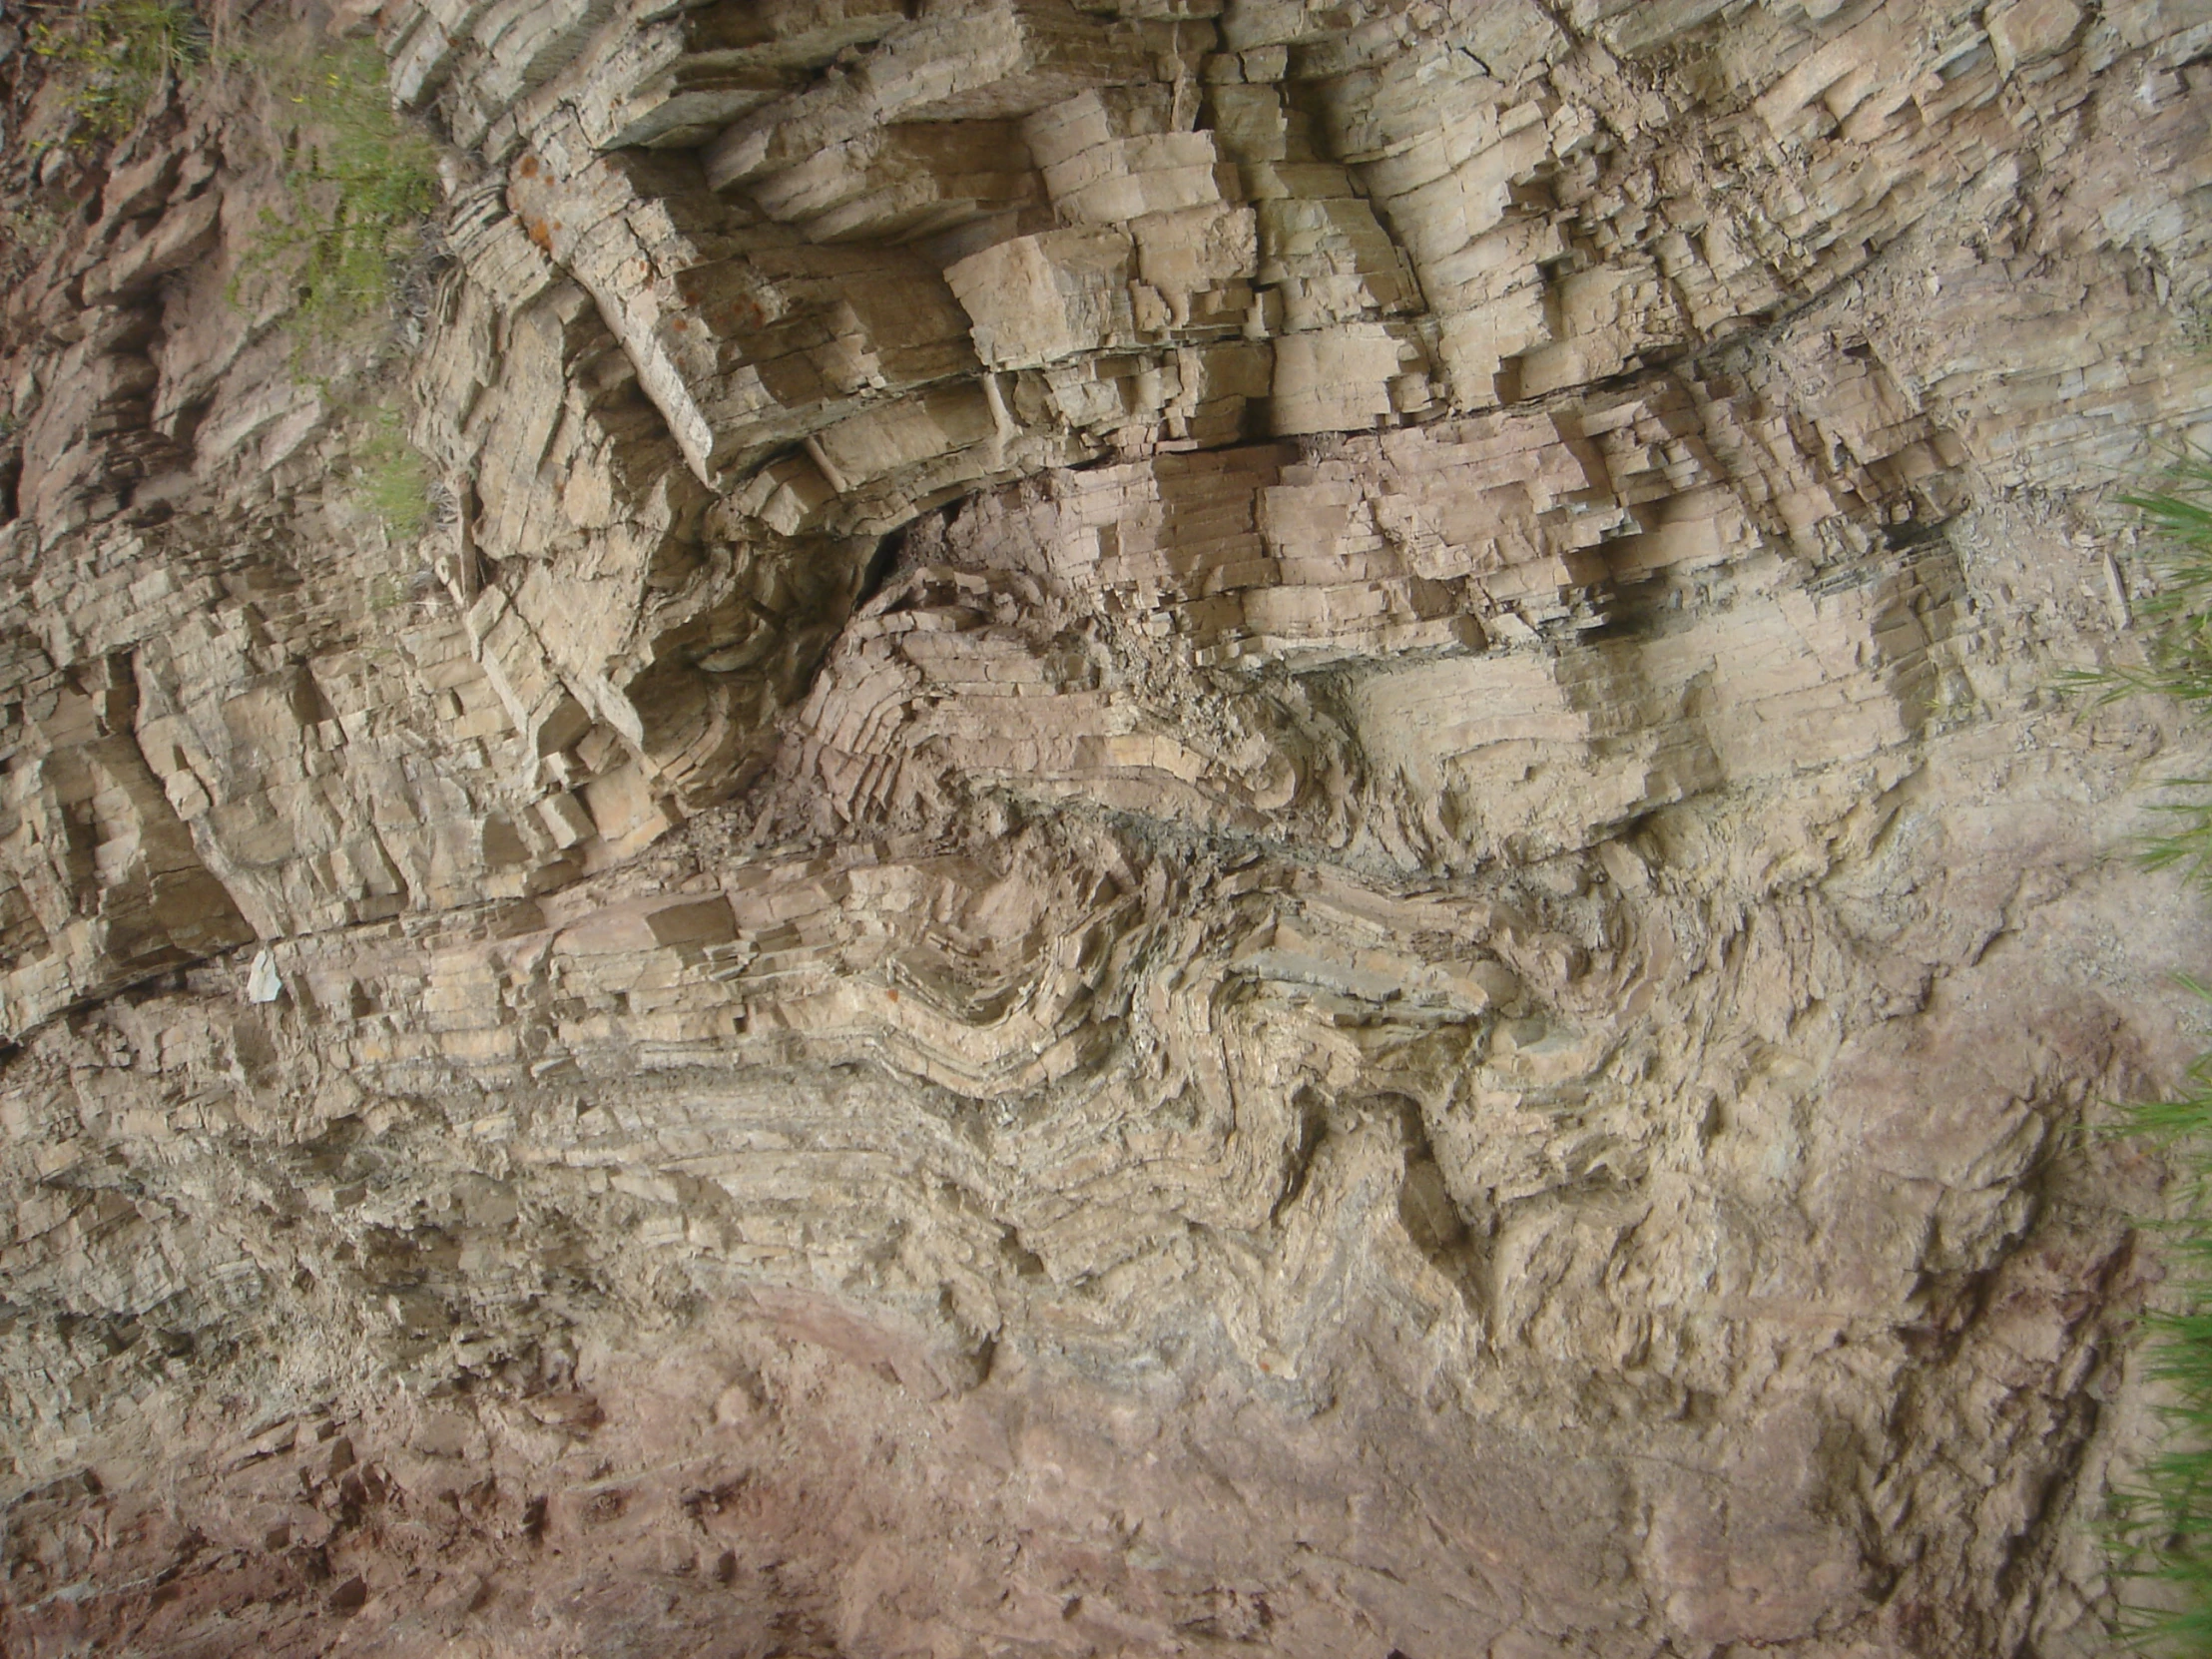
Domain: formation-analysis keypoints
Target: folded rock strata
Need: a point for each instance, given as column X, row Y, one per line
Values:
column 1194, row 827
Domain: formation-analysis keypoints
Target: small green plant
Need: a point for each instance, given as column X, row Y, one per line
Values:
column 2167, row 1522
column 2177, row 650
column 362, row 182
column 393, row 478
column 118, row 55
column 2177, row 636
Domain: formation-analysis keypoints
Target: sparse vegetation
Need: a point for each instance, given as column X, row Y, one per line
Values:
column 117, row 55
column 2166, row 1524
column 27, row 231
column 391, row 477
column 2177, row 650
column 362, row 183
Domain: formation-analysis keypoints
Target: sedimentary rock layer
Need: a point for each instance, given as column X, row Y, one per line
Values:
column 1191, row 829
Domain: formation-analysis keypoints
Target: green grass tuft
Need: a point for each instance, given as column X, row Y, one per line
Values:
column 2177, row 617
column 2177, row 651
column 2166, row 1522
column 392, row 479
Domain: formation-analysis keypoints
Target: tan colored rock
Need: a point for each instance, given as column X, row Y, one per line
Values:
column 1187, row 826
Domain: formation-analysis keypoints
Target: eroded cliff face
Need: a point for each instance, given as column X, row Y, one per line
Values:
column 1193, row 829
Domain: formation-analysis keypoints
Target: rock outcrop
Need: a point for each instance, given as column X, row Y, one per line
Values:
column 1193, row 826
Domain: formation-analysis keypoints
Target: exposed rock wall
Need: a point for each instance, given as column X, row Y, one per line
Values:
column 1193, row 829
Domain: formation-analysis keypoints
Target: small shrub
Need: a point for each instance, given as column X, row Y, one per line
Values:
column 119, row 54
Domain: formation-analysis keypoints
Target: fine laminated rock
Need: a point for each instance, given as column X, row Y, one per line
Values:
column 1150, row 826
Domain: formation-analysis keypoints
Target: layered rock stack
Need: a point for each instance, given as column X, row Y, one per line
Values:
column 1217, row 827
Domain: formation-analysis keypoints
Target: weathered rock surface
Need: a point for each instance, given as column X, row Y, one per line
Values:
column 1195, row 828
